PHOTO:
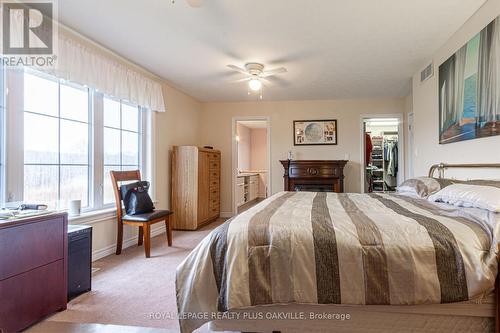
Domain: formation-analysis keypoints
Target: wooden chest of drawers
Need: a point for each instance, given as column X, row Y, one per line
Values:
column 33, row 270
column 195, row 195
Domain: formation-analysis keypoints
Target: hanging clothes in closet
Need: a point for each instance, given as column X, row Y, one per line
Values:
column 392, row 158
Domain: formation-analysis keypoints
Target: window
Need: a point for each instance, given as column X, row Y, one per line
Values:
column 67, row 137
column 122, row 140
column 56, row 141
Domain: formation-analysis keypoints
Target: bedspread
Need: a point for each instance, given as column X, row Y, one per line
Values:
column 329, row 248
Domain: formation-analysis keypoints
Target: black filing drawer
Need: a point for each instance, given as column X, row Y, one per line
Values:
column 79, row 260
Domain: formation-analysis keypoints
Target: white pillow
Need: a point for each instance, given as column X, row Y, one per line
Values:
column 476, row 196
column 420, row 187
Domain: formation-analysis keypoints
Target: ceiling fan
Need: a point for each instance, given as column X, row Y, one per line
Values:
column 192, row 3
column 256, row 74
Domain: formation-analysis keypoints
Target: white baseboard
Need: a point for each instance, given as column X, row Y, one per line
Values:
column 108, row 250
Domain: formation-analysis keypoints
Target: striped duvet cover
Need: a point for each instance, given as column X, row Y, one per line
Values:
column 329, row 248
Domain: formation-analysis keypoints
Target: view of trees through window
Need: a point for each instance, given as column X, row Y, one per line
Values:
column 56, row 141
column 121, row 135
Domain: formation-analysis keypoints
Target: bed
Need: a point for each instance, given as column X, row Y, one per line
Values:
column 345, row 262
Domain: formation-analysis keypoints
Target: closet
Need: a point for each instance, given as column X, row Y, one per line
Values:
column 382, row 156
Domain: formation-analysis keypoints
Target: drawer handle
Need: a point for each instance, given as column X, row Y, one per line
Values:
column 312, row 171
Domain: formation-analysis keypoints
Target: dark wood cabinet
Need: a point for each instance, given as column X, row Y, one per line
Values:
column 314, row 175
column 33, row 269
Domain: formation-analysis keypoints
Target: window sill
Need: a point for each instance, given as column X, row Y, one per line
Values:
column 93, row 216
column 96, row 216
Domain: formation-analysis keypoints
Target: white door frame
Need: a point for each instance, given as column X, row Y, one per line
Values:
column 234, row 158
column 411, row 143
column 401, row 145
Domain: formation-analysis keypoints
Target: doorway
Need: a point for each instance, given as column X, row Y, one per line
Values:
column 251, row 162
column 383, row 155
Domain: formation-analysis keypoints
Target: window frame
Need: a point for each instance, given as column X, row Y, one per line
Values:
column 59, row 119
column 140, row 130
column 14, row 152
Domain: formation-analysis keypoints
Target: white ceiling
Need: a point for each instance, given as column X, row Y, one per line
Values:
column 331, row 48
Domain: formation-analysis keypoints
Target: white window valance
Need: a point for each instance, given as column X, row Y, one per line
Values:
column 81, row 64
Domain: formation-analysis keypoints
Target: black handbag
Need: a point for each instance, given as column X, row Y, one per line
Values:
column 136, row 198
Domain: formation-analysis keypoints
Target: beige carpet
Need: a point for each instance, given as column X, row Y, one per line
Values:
column 129, row 289
column 64, row 327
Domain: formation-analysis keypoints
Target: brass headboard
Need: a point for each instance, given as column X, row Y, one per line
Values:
column 442, row 167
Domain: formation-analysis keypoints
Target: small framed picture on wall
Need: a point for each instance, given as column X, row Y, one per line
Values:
column 314, row 132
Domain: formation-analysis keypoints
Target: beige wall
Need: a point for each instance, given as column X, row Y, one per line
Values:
column 180, row 125
column 427, row 149
column 217, row 123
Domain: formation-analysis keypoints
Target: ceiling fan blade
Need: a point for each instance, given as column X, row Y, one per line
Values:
column 195, row 3
column 274, row 72
column 244, row 80
column 265, row 82
column 238, row 69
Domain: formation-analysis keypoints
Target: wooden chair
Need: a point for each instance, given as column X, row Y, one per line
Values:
column 143, row 221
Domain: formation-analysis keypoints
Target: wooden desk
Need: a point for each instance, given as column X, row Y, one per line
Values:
column 33, row 269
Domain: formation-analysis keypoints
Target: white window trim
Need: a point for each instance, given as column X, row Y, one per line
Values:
column 148, row 156
column 14, row 169
column 98, row 152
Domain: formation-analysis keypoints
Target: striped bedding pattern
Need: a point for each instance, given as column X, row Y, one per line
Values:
column 329, row 248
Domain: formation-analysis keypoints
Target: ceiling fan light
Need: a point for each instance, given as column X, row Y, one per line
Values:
column 255, row 84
